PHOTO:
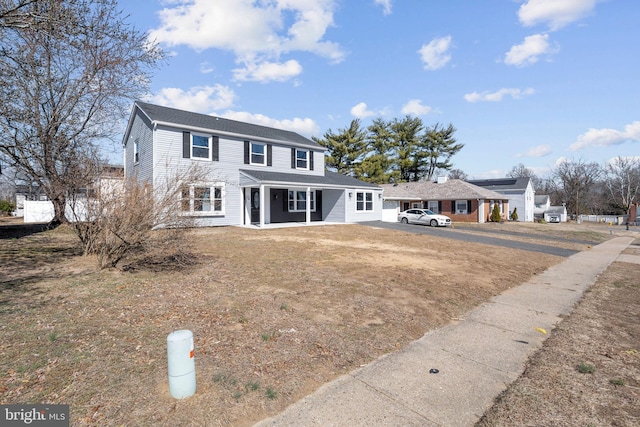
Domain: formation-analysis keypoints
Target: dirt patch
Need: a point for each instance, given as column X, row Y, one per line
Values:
column 275, row 314
column 588, row 371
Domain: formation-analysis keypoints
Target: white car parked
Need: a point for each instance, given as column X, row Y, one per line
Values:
column 423, row 216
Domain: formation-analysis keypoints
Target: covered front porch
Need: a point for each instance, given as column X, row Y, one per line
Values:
column 274, row 205
column 281, row 198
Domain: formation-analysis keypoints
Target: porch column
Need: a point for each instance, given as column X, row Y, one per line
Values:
column 262, row 191
column 308, row 209
column 246, row 205
column 481, row 211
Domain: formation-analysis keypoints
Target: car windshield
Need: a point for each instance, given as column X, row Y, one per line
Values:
column 427, row 212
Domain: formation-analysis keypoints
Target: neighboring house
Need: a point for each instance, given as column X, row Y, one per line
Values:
column 110, row 180
column 519, row 191
column 555, row 214
column 544, row 210
column 24, row 193
column 542, row 203
column 255, row 174
column 459, row 200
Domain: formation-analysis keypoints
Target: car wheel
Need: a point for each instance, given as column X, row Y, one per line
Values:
column 404, row 221
column 433, row 223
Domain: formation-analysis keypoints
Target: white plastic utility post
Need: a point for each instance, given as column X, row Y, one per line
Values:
column 181, row 363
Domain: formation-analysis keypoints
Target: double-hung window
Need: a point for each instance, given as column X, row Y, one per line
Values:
column 461, row 207
column 434, row 206
column 364, row 201
column 302, row 159
column 258, row 154
column 203, row 199
column 298, row 200
column 200, row 147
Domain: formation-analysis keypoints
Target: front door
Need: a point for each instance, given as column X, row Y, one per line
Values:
column 255, row 205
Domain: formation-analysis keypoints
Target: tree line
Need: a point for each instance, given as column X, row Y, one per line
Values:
column 588, row 188
column 397, row 150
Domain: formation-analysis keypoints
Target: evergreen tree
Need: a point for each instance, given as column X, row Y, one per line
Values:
column 437, row 147
column 495, row 213
column 345, row 149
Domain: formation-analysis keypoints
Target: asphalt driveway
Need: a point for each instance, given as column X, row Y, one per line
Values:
column 462, row 234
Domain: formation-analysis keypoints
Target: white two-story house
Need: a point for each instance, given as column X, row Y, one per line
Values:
column 255, row 174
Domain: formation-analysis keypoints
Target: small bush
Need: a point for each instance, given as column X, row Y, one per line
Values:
column 495, row 213
column 6, row 206
column 514, row 214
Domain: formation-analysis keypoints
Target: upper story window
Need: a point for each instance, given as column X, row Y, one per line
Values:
column 136, row 151
column 258, row 154
column 199, row 146
column 302, row 159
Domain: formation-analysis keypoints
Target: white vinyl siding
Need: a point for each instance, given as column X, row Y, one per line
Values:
column 364, row 201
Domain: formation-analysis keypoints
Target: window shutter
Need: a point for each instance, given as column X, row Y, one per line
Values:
column 310, row 160
column 468, row 206
column 293, row 158
column 453, row 206
column 246, row 152
column 215, row 148
column 439, row 206
column 186, row 145
column 269, row 154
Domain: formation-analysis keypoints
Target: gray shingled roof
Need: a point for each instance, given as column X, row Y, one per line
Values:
column 502, row 184
column 452, row 189
column 330, row 179
column 187, row 119
column 558, row 210
column 540, row 199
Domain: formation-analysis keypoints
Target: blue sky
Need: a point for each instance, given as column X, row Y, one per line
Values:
column 530, row 82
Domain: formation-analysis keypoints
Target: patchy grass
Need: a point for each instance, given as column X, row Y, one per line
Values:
column 328, row 298
column 604, row 330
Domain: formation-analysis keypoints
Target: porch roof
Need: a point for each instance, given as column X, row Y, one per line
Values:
column 329, row 180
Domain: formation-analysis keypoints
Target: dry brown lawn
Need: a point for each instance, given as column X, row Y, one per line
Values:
column 275, row 314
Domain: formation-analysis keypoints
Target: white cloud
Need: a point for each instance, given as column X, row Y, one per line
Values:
column 306, row 127
column 210, row 99
column 498, row 95
column 530, row 50
column 257, row 32
column 202, row 99
column 555, row 13
column 386, row 6
column 206, row 68
column 606, row 137
column 360, row 111
column 435, row 54
column 415, row 107
column 538, row 151
column 268, row 71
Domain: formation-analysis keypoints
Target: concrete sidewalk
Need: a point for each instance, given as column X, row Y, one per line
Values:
column 476, row 358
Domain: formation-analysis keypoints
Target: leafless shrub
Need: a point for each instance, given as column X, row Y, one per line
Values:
column 119, row 218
